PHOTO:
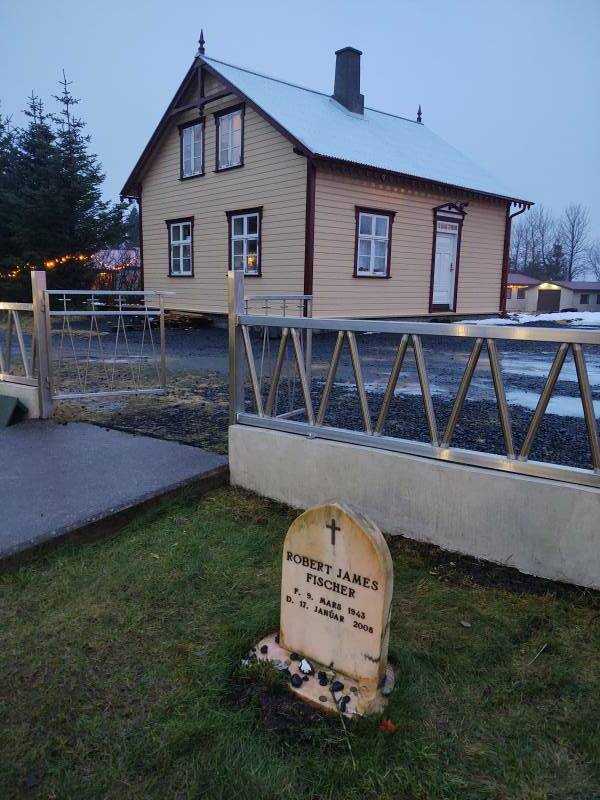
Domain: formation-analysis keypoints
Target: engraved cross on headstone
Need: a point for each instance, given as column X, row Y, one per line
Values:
column 333, row 527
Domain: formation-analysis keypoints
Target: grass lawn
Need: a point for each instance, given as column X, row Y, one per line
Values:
column 120, row 676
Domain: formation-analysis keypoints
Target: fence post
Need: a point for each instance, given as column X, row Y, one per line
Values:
column 235, row 288
column 41, row 328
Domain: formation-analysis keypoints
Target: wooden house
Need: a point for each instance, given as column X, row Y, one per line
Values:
column 369, row 212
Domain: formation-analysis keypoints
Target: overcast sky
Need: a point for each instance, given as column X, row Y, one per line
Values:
column 513, row 83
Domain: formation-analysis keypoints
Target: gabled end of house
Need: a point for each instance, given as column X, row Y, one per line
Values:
column 314, row 193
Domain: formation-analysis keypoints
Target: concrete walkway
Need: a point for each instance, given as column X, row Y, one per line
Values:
column 57, row 479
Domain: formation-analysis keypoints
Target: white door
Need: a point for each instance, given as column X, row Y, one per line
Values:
column 445, row 264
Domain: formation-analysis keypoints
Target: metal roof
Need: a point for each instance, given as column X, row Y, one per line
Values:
column 520, row 279
column 376, row 139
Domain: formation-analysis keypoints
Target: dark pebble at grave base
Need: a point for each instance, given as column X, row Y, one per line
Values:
column 264, row 649
column 337, row 686
column 305, row 677
column 296, row 681
column 294, row 657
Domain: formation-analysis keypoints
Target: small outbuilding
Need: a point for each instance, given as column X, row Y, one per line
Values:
column 524, row 293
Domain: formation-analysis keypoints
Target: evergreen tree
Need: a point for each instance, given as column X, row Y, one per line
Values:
column 87, row 223
column 556, row 263
column 132, row 222
column 7, row 163
column 34, row 209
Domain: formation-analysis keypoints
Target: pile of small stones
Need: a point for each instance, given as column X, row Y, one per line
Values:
column 305, row 673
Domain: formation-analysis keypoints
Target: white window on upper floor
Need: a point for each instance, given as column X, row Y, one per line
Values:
column 191, row 142
column 230, row 139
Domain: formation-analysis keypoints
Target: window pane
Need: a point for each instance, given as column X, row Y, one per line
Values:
column 252, row 222
column 187, row 231
column 238, row 226
column 364, row 264
column 197, row 129
column 175, row 233
column 364, row 247
column 379, row 266
column 252, row 255
column 186, row 265
column 236, row 156
column 238, row 262
column 380, row 249
column 365, row 224
column 186, row 251
column 381, row 226
column 238, row 247
column 197, row 163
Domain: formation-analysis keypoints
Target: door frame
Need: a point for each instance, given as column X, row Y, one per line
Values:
column 448, row 212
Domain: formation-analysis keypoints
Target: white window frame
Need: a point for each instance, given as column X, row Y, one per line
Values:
column 225, row 129
column 372, row 238
column 196, row 149
column 177, row 243
column 246, row 237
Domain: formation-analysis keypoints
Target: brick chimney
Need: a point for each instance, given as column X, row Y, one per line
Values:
column 346, row 89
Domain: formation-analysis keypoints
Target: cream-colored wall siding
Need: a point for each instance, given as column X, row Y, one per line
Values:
column 406, row 292
column 272, row 177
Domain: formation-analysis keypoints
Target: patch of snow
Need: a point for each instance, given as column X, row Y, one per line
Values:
column 560, row 405
column 538, row 368
column 413, row 389
column 579, row 318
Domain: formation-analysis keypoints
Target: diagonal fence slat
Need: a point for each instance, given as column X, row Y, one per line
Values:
column 252, row 369
column 302, row 373
column 503, row 411
column 360, row 384
column 425, row 388
column 335, row 360
column 391, row 384
column 588, row 404
column 542, row 405
column 285, row 333
column 461, row 394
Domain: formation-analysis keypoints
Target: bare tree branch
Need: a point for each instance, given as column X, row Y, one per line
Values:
column 574, row 232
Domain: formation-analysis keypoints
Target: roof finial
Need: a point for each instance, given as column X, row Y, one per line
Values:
column 419, row 114
column 201, row 43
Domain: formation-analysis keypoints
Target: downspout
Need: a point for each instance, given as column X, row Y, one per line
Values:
column 506, row 253
column 309, row 230
column 141, row 236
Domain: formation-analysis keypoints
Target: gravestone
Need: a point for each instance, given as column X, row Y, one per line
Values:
column 336, row 590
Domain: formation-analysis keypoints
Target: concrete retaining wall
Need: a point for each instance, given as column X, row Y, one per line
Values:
column 541, row 527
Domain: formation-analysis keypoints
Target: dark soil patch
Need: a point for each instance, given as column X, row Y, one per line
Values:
column 457, row 569
column 280, row 712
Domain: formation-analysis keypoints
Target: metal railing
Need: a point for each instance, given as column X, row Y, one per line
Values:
column 17, row 344
column 105, row 343
column 411, row 333
column 283, row 305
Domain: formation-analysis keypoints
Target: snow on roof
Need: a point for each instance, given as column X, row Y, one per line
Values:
column 520, row 279
column 375, row 139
